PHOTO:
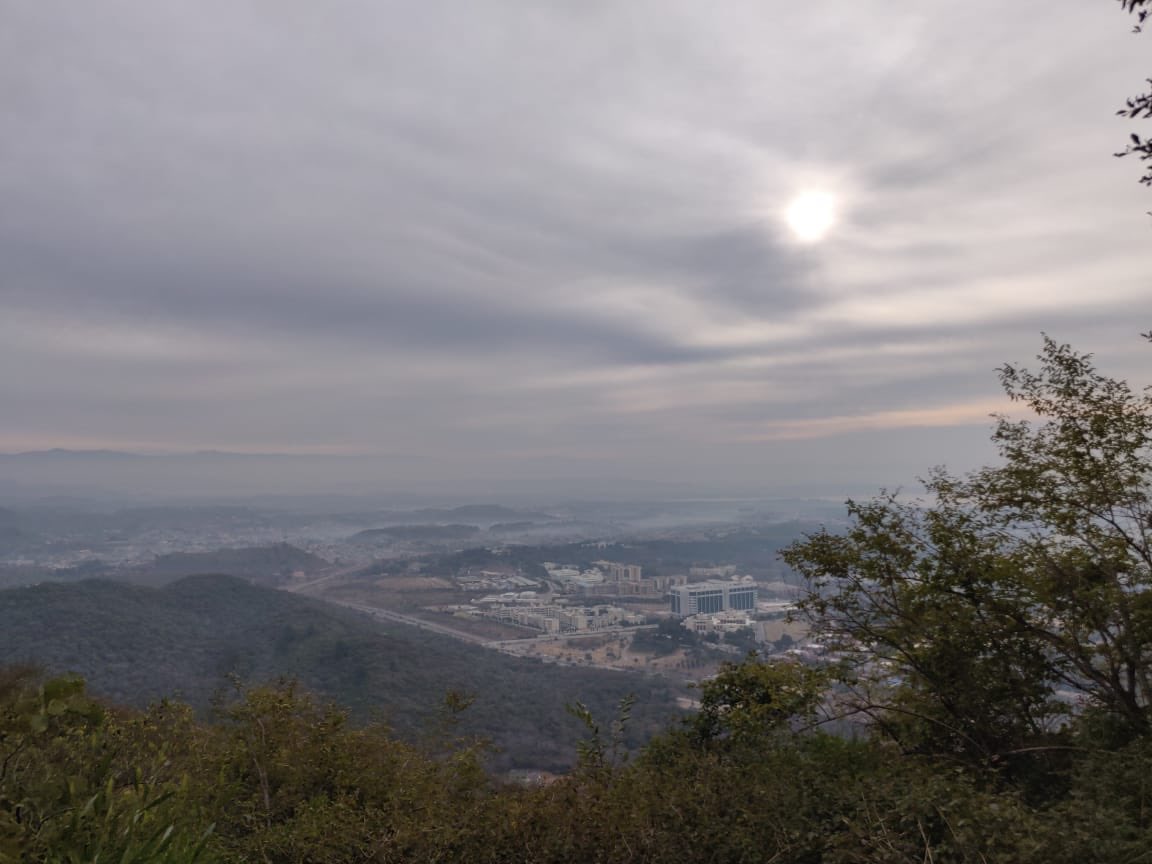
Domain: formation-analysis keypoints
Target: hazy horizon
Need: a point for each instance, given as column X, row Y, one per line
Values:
column 223, row 477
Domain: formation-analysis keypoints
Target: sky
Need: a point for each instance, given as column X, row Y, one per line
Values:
column 543, row 244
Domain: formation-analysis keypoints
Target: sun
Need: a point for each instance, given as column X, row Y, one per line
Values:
column 811, row 215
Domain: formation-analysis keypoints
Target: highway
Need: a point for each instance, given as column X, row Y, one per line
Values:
column 306, row 587
column 564, row 637
column 472, row 638
column 389, row 615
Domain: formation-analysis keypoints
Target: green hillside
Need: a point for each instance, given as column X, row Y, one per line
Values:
column 136, row 644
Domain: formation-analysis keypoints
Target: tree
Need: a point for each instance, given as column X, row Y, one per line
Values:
column 748, row 700
column 1013, row 607
column 1141, row 104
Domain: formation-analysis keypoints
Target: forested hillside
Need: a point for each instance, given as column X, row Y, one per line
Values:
column 187, row 640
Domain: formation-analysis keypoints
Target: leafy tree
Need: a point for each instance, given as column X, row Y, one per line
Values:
column 1015, row 605
column 751, row 699
column 744, row 639
column 669, row 636
column 1141, row 104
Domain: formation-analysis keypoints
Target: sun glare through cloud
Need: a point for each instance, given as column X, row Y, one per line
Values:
column 811, row 215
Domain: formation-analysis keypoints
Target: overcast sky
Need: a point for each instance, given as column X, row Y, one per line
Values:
column 526, row 241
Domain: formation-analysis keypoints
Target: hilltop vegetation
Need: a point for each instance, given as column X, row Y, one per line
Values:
column 280, row 777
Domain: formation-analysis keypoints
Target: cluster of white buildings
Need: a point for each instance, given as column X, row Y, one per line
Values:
column 716, row 605
column 528, row 609
column 489, row 579
column 574, row 577
column 613, row 578
column 719, row 622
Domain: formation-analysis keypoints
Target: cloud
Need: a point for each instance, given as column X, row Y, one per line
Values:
column 518, row 228
column 963, row 414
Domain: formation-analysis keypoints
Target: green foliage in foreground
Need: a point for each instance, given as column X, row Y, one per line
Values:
column 280, row 777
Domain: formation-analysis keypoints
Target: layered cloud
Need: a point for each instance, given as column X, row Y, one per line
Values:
column 532, row 234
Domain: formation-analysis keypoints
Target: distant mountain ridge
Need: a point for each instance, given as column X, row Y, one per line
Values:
column 482, row 514
column 414, row 532
column 67, row 453
column 61, row 452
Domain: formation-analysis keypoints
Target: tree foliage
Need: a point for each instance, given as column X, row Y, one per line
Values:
column 745, row 702
column 64, row 797
column 1140, row 105
column 1014, row 605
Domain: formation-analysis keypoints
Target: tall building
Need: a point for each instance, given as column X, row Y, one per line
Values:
column 713, row 596
column 621, row 572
